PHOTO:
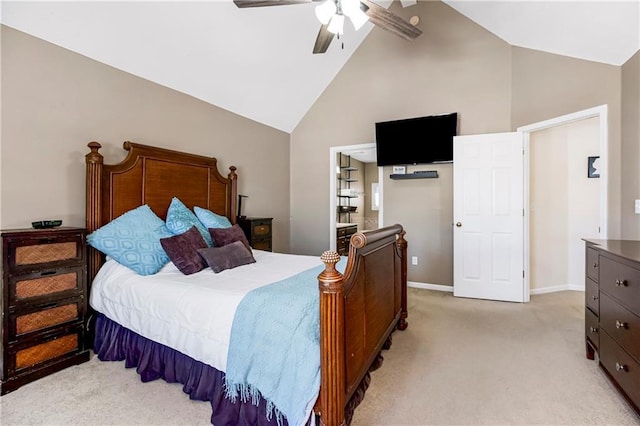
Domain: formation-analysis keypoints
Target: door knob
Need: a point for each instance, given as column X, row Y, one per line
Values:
column 458, row 224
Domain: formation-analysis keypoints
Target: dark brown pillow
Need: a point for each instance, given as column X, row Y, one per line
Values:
column 182, row 249
column 223, row 236
column 227, row 257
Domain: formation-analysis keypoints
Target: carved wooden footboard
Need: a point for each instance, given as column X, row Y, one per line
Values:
column 358, row 312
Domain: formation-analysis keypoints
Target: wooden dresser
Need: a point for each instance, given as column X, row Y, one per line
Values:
column 258, row 232
column 44, row 303
column 612, row 312
column 344, row 232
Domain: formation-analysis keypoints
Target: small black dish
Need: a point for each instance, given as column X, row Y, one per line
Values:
column 44, row 224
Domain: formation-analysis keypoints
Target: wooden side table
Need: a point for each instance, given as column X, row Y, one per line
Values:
column 44, row 303
column 258, row 232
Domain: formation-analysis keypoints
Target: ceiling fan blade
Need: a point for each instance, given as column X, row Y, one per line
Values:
column 261, row 3
column 323, row 40
column 381, row 17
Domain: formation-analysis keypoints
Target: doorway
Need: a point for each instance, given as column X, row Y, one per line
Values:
column 576, row 249
column 587, row 220
column 364, row 156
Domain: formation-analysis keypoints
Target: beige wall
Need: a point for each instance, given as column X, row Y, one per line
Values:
column 455, row 65
column 54, row 102
column 564, row 203
column 630, row 147
column 547, row 86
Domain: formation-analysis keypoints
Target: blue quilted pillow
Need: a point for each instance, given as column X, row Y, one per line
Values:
column 180, row 219
column 210, row 219
column 133, row 240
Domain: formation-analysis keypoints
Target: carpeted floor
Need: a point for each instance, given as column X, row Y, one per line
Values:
column 460, row 362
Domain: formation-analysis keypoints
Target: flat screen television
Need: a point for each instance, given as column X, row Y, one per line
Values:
column 420, row 140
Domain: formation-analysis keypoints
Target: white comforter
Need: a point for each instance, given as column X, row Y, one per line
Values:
column 189, row 313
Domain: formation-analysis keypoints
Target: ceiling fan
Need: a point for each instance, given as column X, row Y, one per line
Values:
column 331, row 14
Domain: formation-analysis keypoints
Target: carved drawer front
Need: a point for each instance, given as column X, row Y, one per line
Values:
column 592, row 264
column 262, row 230
column 45, row 350
column 622, row 367
column 44, row 317
column 262, row 245
column 591, row 328
column 592, row 297
column 34, row 251
column 621, row 324
column 621, row 282
column 47, row 283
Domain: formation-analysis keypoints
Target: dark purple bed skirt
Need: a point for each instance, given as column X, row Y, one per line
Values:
column 154, row 361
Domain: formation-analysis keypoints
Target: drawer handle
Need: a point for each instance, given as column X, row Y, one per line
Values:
column 594, row 297
column 620, row 324
column 621, row 367
column 622, row 283
column 595, row 265
column 45, row 273
column 593, row 329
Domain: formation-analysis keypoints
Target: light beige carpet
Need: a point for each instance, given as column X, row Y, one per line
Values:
column 460, row 362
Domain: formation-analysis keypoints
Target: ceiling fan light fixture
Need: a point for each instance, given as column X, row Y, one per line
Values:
column 325, row 11
column 336, row 25
column 350, row 7
column 358, row 19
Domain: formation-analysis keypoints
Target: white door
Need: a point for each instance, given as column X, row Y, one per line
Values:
column 488, row 206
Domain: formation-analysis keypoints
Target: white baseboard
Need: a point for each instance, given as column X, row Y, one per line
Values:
column 437, row 287
column 553, row 289
column 541, row 290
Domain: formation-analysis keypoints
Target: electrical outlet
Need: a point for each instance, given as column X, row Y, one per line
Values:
column 414, row 260
column 637, row 206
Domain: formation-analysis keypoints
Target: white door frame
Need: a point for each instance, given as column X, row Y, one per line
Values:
column 599, row 111
column 333, row 151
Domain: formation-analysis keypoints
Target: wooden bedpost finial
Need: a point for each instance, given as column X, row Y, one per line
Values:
column 94, row 156
column 330, row 277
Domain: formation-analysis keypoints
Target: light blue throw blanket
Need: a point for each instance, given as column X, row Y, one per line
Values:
column 274, row 350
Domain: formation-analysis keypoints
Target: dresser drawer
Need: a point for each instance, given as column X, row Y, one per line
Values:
column 621, row 366
column 36, row 353
column 40, row 318
column 262, row 245
column 591, row 328
column 37, row 250
column 621, row 324
column 620, row 281
column 261, row 230
column 49, row 283
column 591, row 264
column 592, row 297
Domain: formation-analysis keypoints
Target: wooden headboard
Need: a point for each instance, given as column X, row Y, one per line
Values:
column 153, row 176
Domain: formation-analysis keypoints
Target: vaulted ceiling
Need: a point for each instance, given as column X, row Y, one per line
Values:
column 257, row 62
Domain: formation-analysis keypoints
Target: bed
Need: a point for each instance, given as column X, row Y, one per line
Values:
column 361, row 299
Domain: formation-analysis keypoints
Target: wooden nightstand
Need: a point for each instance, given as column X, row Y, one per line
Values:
column 258, row 232
column 44, row 303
